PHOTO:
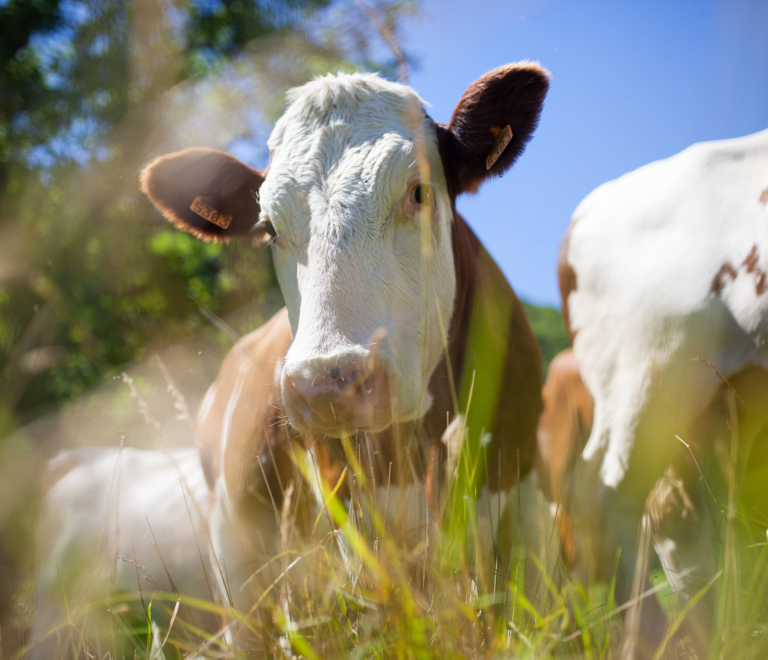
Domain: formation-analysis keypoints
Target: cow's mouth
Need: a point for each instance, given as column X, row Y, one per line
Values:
column 338, row 400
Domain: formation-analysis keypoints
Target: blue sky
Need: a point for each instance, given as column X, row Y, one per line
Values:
column 632, row 82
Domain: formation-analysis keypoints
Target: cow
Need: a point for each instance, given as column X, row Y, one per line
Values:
column 563, row 430
column 674, row 506
column 396, row 316
column 118, row 521
column 662, row 276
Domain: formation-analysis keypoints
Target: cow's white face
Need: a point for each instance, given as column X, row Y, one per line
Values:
column 357, row 205
column 357, row 198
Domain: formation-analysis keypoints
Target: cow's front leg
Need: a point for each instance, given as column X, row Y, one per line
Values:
column 608, row 496
column 693, row 508
column 255, row 539
column 513, row 524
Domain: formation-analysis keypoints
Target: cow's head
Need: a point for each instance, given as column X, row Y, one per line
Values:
column 357, row 206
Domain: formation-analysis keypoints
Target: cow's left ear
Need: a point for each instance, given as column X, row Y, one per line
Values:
column 207, row 193
column 491, row 124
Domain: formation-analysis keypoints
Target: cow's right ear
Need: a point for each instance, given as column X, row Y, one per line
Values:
column 207, row 193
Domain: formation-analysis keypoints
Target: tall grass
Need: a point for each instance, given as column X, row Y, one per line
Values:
column 360, row 585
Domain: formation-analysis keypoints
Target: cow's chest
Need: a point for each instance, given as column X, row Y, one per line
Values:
column 376, row 489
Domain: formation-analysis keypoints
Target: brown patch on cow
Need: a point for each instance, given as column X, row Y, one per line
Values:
column 566, row 278
column 751, row 261
column 256, row 424
column 760, row 283
column 764, row 197
column 172, row 182
column 510, row 95
column 751, row 265
column 563, row 431
column 718, row 283
column 483, row 292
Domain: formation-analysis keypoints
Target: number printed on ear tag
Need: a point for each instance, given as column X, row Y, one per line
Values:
column 503, row 137
column 202, row 207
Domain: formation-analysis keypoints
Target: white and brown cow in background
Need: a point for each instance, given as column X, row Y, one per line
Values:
column 663, row 280
column 391, row 302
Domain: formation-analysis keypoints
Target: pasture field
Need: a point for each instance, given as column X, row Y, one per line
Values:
column 113, row 324
column 363, row 588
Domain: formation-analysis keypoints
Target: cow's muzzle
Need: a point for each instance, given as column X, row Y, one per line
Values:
column 336, row 395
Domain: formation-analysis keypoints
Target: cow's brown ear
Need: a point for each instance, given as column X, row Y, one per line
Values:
column 207, row 193
column 492, row 123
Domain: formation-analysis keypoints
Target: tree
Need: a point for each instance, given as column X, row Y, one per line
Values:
column 97, row 87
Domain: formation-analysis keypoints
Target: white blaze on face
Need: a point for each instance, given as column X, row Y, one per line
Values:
column 349, row 252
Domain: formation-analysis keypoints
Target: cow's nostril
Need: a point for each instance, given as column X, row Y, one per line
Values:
column 365, row 388
column 342, row 395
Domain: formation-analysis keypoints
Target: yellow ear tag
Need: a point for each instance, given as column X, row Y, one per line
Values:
column 202, row 207
column 503, row 138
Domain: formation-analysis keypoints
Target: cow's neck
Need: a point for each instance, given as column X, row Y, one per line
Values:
column 466, row 249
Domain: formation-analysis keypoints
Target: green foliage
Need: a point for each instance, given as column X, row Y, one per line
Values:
column 24, row 93
column 548, row 326
column 91, row 277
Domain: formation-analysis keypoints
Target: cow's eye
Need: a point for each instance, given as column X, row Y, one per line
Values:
column 419, row 193
column 269, row 228
column 419, row 197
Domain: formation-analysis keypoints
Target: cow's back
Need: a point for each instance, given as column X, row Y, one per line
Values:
column 94, row 533
column 102, row 501
column 668, row 262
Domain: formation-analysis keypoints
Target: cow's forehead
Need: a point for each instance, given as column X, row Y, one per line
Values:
column 337, row 136
column 361, row 102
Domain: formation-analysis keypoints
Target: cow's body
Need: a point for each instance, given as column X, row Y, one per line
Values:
column 396, row 316
column 94, row 529
column 238, row 441
column 664, row 291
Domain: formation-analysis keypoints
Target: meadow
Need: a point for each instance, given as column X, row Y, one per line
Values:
column 113, row 324
column 362, row 585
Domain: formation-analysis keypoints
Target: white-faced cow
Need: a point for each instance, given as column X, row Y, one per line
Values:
column 663, row 279
column 117, row 521
column 395, row 312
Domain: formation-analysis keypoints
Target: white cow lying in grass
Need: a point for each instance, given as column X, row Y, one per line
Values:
column 94, row 540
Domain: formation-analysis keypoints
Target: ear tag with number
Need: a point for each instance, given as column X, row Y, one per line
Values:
column 202, row 207
column 503, row 138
